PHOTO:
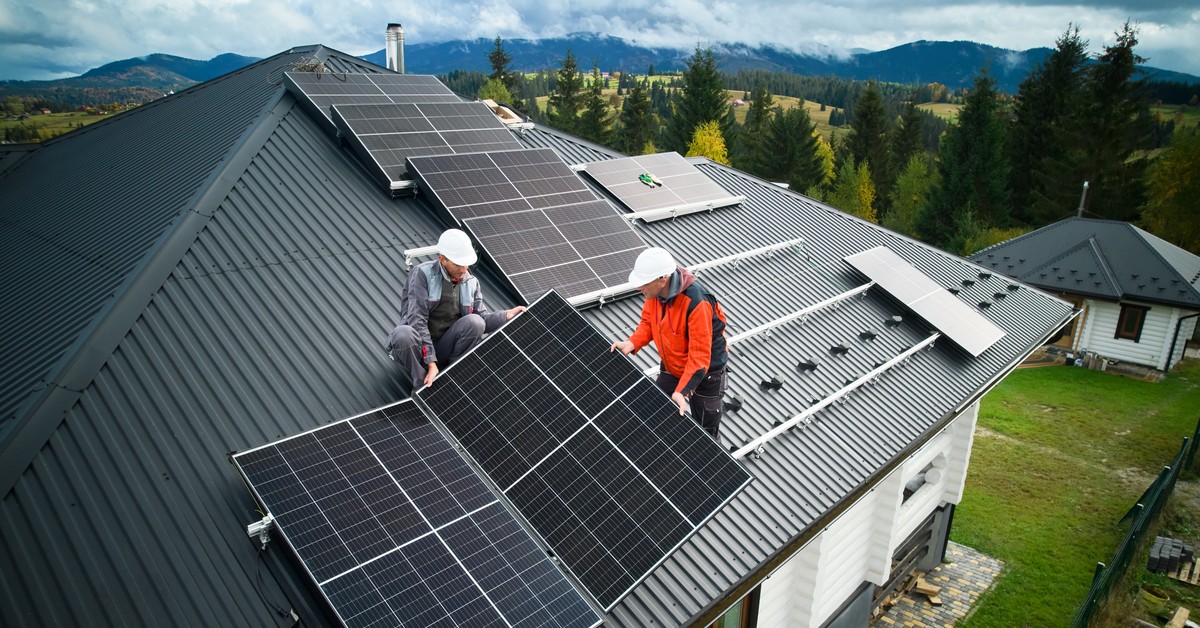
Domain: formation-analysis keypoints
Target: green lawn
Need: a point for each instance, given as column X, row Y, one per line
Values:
column 53, row 124
column 1060, row 455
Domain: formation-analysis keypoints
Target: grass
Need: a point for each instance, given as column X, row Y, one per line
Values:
column 53, row 124
column 946, row 111
column 1060, row 455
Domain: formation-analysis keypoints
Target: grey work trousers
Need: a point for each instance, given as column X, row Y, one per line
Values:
column 404, row 346
column 706, row 401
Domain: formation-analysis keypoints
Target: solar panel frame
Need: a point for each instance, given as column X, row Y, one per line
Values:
column 684, row 188
column 595, row 458
column 537, row 220
column 320, row 90
column 959, row 322
column 393, row 525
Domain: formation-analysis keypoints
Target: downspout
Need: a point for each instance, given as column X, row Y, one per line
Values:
column 1175, row 338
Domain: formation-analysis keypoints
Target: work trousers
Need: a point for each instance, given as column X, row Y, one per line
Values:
column 706, row 401
column 404, row 346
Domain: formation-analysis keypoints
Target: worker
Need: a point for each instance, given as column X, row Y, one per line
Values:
column 687, row 326
column 443, row 312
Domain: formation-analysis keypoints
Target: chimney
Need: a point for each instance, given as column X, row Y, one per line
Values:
column 394, row 46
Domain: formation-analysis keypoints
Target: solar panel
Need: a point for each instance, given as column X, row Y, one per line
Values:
column 386, row 135
column 396, row 528
column 321, row 90
column 595, row 458
column 956, row 320
column 664, row 181
column 534, row 217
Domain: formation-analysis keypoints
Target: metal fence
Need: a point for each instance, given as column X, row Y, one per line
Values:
column 1143, row 514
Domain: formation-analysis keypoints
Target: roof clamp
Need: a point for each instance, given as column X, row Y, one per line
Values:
column 261, row 529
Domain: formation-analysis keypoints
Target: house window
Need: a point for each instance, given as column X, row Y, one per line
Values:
column 744, row 614
column 1129, row 324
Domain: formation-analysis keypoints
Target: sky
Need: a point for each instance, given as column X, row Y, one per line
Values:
column 48, row 39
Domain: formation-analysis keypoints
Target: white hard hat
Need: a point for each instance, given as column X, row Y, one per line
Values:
column 455, row 246
column 651, row 264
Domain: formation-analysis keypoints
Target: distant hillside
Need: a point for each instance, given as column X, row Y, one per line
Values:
column 951, row 63
column 954, row 64
column 139, row 80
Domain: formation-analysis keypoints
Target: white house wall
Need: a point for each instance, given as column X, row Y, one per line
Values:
column 858, row 546
column 1150, row 349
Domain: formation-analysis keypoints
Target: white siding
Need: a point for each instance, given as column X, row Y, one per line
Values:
column 1150, row 349
column 858, row 546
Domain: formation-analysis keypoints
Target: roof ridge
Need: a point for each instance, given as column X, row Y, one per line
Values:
column 1093, row 248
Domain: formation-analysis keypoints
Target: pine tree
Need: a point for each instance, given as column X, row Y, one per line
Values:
column 1045, row 125
column 1173, row 185
column 567, row 97
column 904, row 142
column 701, row 100
column 500, row 62
column 973, row 168
column 869, row 129
column 708, row 142
column 1116, row 120
column 911, row 194
column 790, row 151
column 637, row 123
column 753, row 132
column 595, row 120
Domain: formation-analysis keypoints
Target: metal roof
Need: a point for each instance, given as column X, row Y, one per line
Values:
column 1106, row 259
column 246, row 302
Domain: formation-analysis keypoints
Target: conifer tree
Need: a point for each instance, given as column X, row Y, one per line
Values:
column 853, row 192
column 911, row 194
column 567, row 98
column 595, row 120
column 500, row 61
column 1173, row 185
column 973, row 168
column 753, row 132
column 1045, row 124
column 702, row 99
column 790, row 151
column 637, row 123
column 869, row 129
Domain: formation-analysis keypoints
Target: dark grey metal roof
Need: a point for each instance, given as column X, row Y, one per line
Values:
column 255, row 311
column 1100, row 258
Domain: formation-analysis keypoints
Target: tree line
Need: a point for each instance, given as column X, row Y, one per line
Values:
column 1006, row 165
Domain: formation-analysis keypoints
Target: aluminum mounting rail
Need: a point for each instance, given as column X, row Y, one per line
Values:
column 757, row 444
column 660, row 213
column 423, row 251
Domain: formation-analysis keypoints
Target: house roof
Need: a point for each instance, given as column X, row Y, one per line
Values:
column 1100, row 258
column 227, row 282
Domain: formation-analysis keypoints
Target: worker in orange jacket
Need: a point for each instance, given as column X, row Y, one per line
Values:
column 687, row 326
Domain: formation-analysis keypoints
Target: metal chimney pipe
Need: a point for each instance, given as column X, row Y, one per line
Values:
column 394, row 47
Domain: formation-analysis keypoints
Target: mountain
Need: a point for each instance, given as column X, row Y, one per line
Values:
column 954, row 64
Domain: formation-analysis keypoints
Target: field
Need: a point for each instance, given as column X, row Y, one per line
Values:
column 1060, row 455
column 53, row 124
column 945, row 111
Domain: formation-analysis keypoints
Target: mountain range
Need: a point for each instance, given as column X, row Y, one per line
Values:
column 954, row 64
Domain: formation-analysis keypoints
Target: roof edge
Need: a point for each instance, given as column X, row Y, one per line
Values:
column 96, row 344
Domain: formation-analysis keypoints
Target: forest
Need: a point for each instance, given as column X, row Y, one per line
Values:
column 1079, row 137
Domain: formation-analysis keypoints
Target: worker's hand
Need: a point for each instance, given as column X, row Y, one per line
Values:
column 430, row 373
column 624, row 346
column 513, row 312
column 680, row 401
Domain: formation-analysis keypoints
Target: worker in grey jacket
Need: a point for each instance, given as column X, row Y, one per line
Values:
column 444, row 315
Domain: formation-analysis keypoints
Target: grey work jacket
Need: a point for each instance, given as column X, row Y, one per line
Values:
column 424, row 291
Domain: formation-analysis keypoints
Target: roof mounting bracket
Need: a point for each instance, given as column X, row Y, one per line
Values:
column 409, row 254
column 261, row 529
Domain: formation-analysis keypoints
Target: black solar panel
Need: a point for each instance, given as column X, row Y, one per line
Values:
column 663, row 181
column 397, row 529
column 387, row 134
column 956, row 320
column 320, row 91
column 536, row 219
column 591, row 453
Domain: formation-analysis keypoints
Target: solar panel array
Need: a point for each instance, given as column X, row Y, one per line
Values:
column 664, row 181
column 322, row 90
column 535, row 217
column 397, row 529
column 385, row 135
column 596, row 458
column 956, row 320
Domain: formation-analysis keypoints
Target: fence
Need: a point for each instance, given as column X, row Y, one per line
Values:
column 1143, row 514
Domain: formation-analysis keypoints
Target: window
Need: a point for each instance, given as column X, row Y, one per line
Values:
column 1129, row 324
column 744, row 614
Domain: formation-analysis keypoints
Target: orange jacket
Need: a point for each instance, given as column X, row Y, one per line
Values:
column 686, row 344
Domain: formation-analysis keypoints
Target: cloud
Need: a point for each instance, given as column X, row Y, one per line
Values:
column 53, row 38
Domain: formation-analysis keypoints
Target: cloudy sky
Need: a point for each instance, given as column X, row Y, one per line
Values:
column 44, row 39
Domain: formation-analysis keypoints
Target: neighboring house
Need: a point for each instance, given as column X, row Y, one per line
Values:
column 226, row 280
column 1139, row 294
